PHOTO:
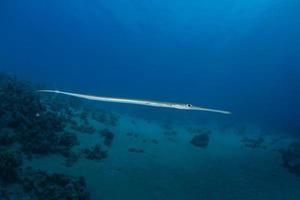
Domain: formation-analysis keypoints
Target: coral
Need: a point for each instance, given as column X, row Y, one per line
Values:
column 200, row 140
column 94, row 153
column 108, row 136
column 43, row 186
column 42, row 134
column 36, row 128
column 9, row 166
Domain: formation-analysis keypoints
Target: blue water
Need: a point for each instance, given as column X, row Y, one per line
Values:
column 241, row 56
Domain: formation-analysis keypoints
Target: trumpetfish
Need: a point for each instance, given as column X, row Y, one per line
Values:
column 138, row 102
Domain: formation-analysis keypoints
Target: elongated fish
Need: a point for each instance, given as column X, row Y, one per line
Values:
column 137, row 102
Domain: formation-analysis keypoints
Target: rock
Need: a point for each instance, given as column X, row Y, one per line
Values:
column 201, row 140
column 108, row 136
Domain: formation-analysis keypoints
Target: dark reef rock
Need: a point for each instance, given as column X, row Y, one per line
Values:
column 9, row 166
column 27, row 119
column 108, row 136
column 254, row 143
column 94, row 153
column 291, row 158
column 7, row 136
column 43, row 186
column 201, row 140
column 68, row 140
column 135, row 150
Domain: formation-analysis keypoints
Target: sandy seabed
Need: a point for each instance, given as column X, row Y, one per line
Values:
column 172, row 168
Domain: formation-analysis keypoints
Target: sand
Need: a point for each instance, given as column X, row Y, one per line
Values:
column 175, row 169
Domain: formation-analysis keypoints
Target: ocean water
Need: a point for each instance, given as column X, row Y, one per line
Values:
column 240, row 56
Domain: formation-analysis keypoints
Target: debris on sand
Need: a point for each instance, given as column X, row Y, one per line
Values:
column 105, row 117
column 200, row 140
column 256, row 143
column 94, row 153
column 71, row 158
column 135, row 150
column 84, row 128
column 291, row 158
column 154, row 141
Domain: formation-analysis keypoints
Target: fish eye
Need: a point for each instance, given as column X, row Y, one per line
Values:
column 189, row 105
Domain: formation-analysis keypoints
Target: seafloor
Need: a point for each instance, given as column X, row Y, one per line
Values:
column 53, row 147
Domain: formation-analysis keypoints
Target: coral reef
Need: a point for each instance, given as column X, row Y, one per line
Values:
column 200, row 140
column 108, row 136
column 10, row 163
column 94, row 153
column 291, row 158
column 43, row 186
column 35, row 127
